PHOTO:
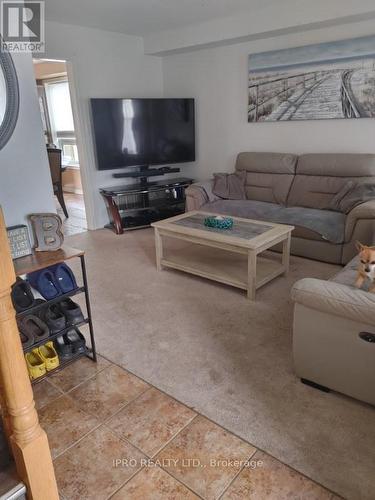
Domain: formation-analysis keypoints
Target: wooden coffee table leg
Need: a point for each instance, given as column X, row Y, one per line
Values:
column 286, row 254
column 252, row 274
column 158, row 249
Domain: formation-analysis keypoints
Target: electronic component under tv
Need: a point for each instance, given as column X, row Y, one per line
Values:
column 140, row 132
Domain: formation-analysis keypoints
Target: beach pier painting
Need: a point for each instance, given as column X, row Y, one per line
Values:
column 315, row 82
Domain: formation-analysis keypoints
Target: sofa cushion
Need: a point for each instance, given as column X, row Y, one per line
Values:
column 358, row 195
column 230, row 186
column 334, row 204
column 269, row 175
column 337, row 165
column 348, row 274
column 325, row 224
column 319, row 177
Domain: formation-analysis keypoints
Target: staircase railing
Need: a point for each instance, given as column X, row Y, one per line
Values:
column 27, row 440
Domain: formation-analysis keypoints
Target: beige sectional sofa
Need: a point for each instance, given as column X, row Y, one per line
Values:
column 334, row 334
column 298, row 190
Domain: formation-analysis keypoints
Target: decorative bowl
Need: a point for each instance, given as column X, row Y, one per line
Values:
column 218, row 222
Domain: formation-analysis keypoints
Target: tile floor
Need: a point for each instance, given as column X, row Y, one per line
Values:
column 76, row 223
column 112, row 435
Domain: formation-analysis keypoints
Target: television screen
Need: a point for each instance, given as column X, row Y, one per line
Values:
column 131, row 132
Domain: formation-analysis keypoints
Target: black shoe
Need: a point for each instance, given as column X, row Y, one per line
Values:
column 53, row 317
column 71, row 311
column 39, row 302
column 63, row 347
column 76, row 340
column 22, row 296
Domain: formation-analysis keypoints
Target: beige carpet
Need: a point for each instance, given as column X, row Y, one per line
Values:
column 229, row 358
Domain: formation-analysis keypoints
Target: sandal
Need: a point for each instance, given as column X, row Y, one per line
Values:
column 27, row 338
column 49, row 355
column 35, row 364
column 45, row 282
column 65, row 278
column 33, row 326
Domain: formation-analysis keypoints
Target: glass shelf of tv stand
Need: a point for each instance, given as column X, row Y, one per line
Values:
column 155, row 204
column 139, row 188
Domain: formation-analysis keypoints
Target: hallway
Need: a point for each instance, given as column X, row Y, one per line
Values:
column 76, row 223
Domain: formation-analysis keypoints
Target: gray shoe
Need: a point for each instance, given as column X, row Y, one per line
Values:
column 71, row 311
column 54, row 318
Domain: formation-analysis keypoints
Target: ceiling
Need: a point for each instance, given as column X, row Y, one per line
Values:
column 140, row 17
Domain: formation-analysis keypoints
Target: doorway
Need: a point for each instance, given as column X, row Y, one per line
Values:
column 60, row 137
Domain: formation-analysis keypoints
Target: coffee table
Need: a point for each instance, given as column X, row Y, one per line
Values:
column 230, row 256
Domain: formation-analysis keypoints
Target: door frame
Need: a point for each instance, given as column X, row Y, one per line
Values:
column 85, row 171
column 83, row 154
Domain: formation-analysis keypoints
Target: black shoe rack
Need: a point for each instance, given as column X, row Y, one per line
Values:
column 40, row 260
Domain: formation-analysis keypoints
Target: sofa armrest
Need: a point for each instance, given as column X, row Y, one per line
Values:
column 363, row 211
column 199, row 194
column 335, row 298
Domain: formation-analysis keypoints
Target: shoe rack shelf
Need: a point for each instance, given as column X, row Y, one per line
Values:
column 63, row 364
column 54, row 336
column 40, row 260
column 35, row 309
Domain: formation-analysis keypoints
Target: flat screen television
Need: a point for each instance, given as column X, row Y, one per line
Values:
column 139, row 132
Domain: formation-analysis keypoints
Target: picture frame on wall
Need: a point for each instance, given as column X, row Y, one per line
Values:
column 334, row 80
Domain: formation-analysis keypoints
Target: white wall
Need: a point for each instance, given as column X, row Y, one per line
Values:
column 108, row 64
column 104, row 64
column 261, row 19
column 217, row 78
column 25, row 180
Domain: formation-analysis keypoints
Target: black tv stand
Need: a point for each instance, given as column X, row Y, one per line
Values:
column 138, row 205
column 145, row 171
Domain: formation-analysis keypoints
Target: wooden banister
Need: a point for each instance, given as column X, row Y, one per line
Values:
column 28, row 441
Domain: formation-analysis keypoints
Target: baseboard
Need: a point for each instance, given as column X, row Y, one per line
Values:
column 310, row 383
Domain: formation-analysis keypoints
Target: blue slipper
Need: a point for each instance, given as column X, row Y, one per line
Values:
column 45, row 282
column 65, row 278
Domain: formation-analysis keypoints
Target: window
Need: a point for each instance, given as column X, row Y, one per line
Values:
column 69, row 150
column 61, row 118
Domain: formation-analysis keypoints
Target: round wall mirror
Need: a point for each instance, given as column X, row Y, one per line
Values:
column 9, row 97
